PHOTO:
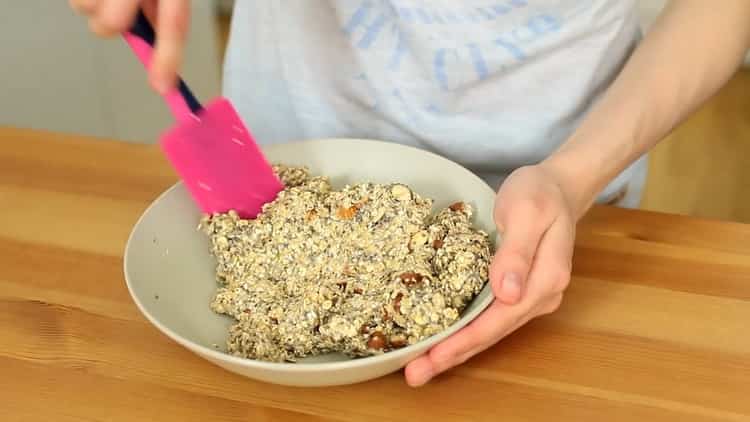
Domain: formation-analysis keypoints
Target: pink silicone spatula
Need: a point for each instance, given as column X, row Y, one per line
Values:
column 209, row 146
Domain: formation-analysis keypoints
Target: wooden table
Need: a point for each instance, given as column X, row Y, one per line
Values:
column 655, row 325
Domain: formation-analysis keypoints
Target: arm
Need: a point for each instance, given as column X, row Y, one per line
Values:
column 692, row 50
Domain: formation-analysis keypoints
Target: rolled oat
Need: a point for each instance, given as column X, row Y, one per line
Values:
column 361, row 270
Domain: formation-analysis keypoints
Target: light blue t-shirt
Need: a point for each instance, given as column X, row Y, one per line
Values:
column 493, row 85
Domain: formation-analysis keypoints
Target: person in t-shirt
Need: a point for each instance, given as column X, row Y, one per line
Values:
column 554, row 102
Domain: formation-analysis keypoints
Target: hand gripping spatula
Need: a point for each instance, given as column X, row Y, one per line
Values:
column 209, row 146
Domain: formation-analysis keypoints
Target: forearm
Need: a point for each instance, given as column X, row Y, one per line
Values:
column 692, row 50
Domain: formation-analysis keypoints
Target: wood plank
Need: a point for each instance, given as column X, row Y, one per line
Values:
column 658, row 227
column 80, row 222
column 682, row 269
column 44, row 267
column 70, row 164
column 379, row 400
column 74, row 338
column 654, row 324
column 37, row 392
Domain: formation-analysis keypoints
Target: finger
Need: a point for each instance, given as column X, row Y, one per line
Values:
column 490, row 326
column 423, row 369
column 114, row 17
column 171, row 30
column 548, row 278
column 553, row 262
column 525, row 224
column 84, row 7
column 149, row 9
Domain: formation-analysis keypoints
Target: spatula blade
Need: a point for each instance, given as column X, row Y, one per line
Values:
column 220, row 163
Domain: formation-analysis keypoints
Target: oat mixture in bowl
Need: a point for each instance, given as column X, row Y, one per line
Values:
column 362, row 270
column 171, row 274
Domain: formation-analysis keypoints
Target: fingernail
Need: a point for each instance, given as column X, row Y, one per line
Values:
column 510, row 289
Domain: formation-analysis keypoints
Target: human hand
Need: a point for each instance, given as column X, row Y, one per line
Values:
column 170, row 19
column 528, row 274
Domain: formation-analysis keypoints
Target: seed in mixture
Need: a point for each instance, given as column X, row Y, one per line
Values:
column 361, row 270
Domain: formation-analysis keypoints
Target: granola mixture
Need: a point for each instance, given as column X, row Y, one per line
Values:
column 361, row 270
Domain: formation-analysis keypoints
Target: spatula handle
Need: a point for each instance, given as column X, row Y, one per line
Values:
column 141, row 38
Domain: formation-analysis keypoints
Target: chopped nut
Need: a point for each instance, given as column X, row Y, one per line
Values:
column 377, row 341
column 397, row 302
column 401, row 193
column 411, row 278
column 346, row 213
column 457, row 207
column 386, row 316
column 322, row 270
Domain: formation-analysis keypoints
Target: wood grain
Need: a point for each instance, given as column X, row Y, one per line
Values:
column 654, row 324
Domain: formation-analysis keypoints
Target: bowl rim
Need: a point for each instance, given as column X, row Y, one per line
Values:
column 352, row 363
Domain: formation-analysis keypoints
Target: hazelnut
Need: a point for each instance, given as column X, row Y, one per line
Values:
column 458, row 207
column 377, row 341
column 386, row 315
column 411, row 278
column 437, row 244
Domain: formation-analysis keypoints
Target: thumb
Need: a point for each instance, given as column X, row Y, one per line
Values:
column 523, row 229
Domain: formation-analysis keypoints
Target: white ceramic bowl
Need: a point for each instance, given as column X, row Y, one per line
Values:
column 170, row 273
